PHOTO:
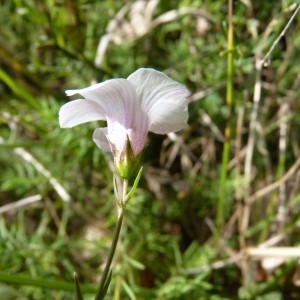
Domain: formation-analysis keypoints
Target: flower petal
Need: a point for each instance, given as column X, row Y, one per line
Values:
column 100, row 139
column 118, row 101
column 163, row 99
column 116, row 97
column 79, row 111
column 137, row 134
column 87, row 91
column 117, row 134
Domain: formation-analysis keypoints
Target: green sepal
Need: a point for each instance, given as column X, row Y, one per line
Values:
column 126, row 163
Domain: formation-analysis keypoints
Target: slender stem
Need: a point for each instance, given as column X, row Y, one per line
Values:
column 106, row 272
column 228, row 133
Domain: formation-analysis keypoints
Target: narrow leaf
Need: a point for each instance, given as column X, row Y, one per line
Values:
column 135, row 184
column 101, row 294
column 105, row 288
column 78, row 295
column 128, row 290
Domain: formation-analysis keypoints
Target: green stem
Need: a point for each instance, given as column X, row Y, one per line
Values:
column 111, row 255
column 103, row 285
column 228, row 133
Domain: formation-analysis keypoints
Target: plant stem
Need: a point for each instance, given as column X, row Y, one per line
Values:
column 228, row 133
column 106, row 273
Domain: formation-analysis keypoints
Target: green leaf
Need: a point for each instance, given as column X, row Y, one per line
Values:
column 135, row 184
column 43, row 283
column 101, row 293
column 77, row 288
column 128, row 290
column 106, row 285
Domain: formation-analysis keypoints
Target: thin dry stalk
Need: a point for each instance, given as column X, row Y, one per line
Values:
column 282, row 252
column 281, row 35
column 259, row 63
column 281, row 213
column 20, row 203
column 140, row 22
column 266, row 190
column 29, row 158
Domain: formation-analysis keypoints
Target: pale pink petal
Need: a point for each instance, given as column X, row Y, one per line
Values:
column 116, row 97
column 138, row 136
column 117, row 100
column 117, row 134
column 136, row 133
column 100, row 139
column 163, row 99
column 79, row 111
column 147, row 100
column 168, row 116
column 88, row 89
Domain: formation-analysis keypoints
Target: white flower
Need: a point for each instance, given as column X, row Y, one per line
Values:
column 147, row 100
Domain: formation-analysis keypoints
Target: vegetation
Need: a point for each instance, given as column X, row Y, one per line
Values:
column 209, row 195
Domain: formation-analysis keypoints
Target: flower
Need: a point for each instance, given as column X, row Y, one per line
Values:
column 148, row 100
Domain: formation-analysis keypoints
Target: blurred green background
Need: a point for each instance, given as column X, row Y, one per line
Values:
column 57, row 209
